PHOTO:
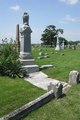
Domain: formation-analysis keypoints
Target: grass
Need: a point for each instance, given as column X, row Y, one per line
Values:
column 65, row 108
column 16, row 92
column 63, row 64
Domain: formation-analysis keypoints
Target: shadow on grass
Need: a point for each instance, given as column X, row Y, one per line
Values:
column 63, row 95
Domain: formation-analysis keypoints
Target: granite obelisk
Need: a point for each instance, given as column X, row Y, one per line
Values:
column 17, row 38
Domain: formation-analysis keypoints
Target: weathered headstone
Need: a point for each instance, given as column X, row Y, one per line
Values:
column 47, row 56
column 74, row 77
column 46, row 53
column 51, row 52
column 41, row 53
column 40, row 49
column 63, row 45
column 62, row 54
column 68, row 46
column 78, row 45
column 40, row 57
column 57, row 89
column 25, row 53
column 73, row 47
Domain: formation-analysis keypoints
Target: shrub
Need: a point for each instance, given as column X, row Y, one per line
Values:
column 10, row 64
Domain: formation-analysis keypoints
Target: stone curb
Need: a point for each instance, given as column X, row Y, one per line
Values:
column 26, row 109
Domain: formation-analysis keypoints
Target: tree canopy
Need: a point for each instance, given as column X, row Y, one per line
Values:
column 49, row 33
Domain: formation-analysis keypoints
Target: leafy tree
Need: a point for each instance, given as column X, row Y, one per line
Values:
column 61, row 40
column 10, row 64
column 49, row 33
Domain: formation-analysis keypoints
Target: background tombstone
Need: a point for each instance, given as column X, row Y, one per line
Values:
column 78, row 45
column 26, row 56
column 74, row 77
column 68, row 46
column 63, row 45
column 73, row 47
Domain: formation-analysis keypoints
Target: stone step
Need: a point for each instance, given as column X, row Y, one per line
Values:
column 28, row 61
column 31, row 68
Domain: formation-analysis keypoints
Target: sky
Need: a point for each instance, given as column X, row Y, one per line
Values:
column 64, row 14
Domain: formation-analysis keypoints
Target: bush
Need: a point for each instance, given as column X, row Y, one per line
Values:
column 10, row 64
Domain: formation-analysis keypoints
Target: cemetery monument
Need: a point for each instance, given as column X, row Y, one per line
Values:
column 26, row 56
column 57, row 44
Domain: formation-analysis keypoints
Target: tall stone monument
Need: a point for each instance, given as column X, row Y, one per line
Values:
column 57, row 44
column 17, row 38
column 26, row 56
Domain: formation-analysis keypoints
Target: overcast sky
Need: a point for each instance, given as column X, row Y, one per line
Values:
column 64, row 14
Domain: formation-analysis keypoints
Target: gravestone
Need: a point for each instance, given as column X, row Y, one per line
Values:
column 51, row 52
column 73, row 47
column 26, row 56
column 57, row 89
column 40, row 49
column 46, row 66
column 41, row 53
column 47, row 56
column 68, row 46
column 46, row 53
column 74, row 77
column 78, row 45
column 40, row 57
column 57, row 44
column 63, row 45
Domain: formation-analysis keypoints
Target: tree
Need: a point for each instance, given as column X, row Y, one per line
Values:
column 61, row 40
column 49, row 33
column 10, row 64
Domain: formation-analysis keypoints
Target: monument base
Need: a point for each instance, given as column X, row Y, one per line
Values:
column 28, row 61
column 26, row 55
column 58, row 48
column 30, row 65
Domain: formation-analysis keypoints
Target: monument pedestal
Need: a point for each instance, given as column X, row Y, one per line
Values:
column 30, row 65
column 31, row 68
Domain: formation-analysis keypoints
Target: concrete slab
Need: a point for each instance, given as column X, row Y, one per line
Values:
column 46, row 66
column 41, row 80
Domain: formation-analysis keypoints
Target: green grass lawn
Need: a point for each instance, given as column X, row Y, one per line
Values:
column 16, row 92
column 63, row 64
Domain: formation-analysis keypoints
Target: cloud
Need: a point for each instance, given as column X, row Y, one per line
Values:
column 71, row 35
column 15, row 8
column 62, row 0
column 71, row 2
column 63, row 22
column 69, row 18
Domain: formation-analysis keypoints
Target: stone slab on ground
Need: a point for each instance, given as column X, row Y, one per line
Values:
column 46, row 66
column 41, row 80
